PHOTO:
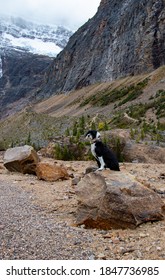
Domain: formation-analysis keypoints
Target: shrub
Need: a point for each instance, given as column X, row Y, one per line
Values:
column 102, row 126
column 109, row 95
column 70, row 151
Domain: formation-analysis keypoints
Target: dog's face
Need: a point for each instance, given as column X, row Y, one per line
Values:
column 92, row 135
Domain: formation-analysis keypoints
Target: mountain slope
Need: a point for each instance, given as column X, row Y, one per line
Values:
column 125, row 37
column 110, row 98
column 136, row 103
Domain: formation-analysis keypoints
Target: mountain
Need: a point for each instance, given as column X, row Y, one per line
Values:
column 26, row 51
column 19, row 34
column 125, row 37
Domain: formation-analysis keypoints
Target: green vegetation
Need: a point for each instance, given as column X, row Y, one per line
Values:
column 108, row 95
column 134, row 92
column 148, row 132
column 157, row 103
column 70, row 151
column 160, row 103
column 72, row 148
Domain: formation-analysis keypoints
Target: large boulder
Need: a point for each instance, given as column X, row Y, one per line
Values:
column 116, row 200
column 51, row 172
column 21, row 159
column 143, row 153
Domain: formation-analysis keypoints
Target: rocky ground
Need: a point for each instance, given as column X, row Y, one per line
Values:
column 38, row 219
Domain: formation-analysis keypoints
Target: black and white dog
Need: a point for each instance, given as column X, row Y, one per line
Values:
column 104, row 156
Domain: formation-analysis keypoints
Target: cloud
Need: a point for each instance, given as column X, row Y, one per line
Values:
column 71, row 13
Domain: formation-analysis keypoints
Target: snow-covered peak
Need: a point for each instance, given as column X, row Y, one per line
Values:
column 34, row 45
column 19, row 34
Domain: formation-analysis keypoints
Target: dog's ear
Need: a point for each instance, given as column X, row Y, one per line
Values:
column 98, row 135
column 88, row 135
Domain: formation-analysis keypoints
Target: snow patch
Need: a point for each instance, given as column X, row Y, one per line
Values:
column 35, row 45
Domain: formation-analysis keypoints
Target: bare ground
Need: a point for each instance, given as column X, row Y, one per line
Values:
column 37, row 220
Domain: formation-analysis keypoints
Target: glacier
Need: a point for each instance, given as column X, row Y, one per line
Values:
column 19, row 34
column 36, row 46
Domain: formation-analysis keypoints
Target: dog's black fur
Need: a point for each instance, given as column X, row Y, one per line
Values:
column 104, row 156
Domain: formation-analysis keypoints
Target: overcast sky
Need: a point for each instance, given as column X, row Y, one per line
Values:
column 70, row 13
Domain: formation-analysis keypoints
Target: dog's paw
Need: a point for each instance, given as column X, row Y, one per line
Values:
column 100, row 169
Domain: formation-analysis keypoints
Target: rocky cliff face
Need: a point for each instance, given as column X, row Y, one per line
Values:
column 22, row 77
column 125, row 37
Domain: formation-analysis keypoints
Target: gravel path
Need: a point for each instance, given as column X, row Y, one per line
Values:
column 28, row 232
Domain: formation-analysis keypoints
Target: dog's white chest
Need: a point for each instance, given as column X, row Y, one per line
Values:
column 93, row 146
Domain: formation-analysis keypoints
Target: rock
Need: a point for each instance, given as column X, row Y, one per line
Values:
column 75, row 181
column 21, row 159
column 143, row 153
column 51, row 172
column 162, row 176
column 116, row 201
column 2, row 227
column 90, row 169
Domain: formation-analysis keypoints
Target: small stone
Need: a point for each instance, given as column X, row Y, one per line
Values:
column 2, row 227
column 90, row 169
column 91, row 257
column 116, row 241
column 143, row 235
column 101, row 256
column 158, row 248
column 75, row 181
